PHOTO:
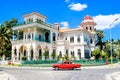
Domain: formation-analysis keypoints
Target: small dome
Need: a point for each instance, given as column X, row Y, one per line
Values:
column 88, row 18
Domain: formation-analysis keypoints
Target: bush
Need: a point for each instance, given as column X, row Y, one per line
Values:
column 24, row 58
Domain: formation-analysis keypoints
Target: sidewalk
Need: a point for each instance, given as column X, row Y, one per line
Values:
column 113, row 76
column 5, row 76
column 116, row 76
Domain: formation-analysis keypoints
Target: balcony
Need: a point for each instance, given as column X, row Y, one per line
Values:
column 38, row 21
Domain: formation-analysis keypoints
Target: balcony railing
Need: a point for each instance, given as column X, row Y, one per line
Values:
column 28, row 40
column 39, row 21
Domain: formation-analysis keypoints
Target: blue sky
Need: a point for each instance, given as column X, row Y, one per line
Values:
column 67, row 12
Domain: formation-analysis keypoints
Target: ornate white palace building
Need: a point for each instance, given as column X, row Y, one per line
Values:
column 35, row 35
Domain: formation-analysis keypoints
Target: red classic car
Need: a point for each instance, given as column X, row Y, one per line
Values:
column 66, row 65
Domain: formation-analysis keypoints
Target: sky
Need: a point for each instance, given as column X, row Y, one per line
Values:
column 68, row 13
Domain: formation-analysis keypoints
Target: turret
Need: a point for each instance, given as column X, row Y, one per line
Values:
column 88, row 23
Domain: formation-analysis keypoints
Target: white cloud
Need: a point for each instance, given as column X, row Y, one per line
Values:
column 65, row 24
column 104, row 21
column 77, row 6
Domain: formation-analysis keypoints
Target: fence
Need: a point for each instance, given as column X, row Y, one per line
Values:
column 83, row 62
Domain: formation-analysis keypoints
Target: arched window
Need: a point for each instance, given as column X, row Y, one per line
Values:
column 29, row 36
column 90, row 28
column 39, row 37
column 78, row 39
column 86, row 28
column 54, row 36
column 47, row 37
column 91, row 41
column 72, row 54
column 71, row 39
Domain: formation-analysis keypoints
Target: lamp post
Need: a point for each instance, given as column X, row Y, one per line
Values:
column 111, row 40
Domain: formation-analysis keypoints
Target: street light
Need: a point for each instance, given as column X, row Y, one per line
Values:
column 111, row 40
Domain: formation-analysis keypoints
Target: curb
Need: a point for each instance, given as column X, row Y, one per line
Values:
column 90, row 67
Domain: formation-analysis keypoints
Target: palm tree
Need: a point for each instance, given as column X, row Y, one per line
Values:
column 10, row 23
column 100, row 35
column 5, row 35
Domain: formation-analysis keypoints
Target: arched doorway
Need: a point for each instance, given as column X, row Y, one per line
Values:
column 39, row 49
column 23, row 52
column 79, row 53
column 40, row 54
column 32, row 56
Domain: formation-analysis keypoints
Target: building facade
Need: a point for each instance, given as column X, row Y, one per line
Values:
column 35, row 39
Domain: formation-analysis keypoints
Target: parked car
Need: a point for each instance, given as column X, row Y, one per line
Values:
column 66, row 65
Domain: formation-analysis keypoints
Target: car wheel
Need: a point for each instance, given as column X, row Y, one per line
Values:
column 74, row 68
column 56, row 68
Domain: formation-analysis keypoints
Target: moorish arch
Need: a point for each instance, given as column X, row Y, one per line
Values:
column 23, row 51
column 31, row 53
column 39, row 49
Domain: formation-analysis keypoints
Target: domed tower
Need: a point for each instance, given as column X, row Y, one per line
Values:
column 88, row 23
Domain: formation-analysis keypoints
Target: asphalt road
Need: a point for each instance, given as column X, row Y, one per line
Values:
column 48, row 74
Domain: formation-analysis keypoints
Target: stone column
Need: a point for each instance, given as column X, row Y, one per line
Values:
column 51, row 38
column 42, row 35
column 34, row 33
column 17, row 53
column 28, row 54
column 18, row 35
column 12, row 54
column 24, row 37
column 31, row 36
column 28, row 33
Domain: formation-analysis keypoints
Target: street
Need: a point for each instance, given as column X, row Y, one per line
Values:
column 48, row 74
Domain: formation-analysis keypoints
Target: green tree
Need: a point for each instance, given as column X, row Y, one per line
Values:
column 45, row 54
column 65, row 57
column 5, row 45
column 5, row 36
column 104, row 55
column 53, row 55
column 100, row 35
column 96, row 54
